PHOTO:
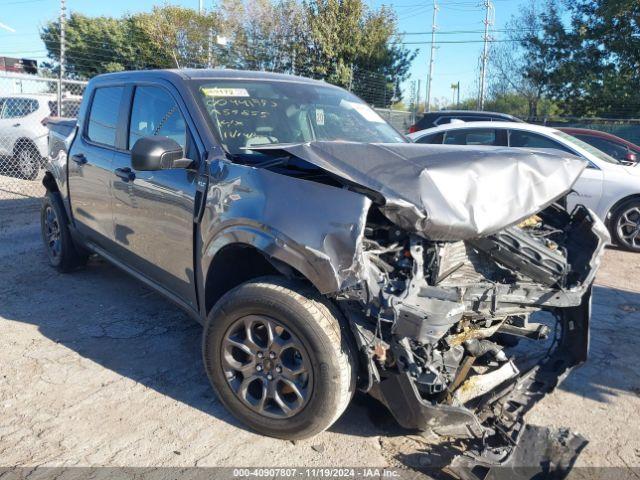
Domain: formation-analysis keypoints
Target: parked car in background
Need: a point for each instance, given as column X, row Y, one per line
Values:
column 23, row 131
column 614, row 146
column 442, row 117
column 608, row 187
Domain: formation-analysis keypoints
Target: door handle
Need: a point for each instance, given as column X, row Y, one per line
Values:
column 79, row 158
column 15, row 125
column 125, row 174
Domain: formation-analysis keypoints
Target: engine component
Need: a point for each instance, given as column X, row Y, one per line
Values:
column 478, row 385
column 517, row 250
column 478, row 348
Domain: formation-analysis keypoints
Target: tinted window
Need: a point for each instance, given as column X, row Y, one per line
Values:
column 433, row 139
column 610, row 148
column 519, row 138
column 155, row 113
column 103, row 118
column 474, row 136
column 17, row 107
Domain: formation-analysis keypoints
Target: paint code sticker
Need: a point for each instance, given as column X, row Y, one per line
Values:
column 225, row 92
column 364, row 110
column 319, row 116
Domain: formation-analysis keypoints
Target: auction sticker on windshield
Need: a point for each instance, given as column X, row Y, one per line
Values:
column 225, row 92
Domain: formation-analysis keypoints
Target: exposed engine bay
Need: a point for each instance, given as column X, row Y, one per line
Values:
column 443, row 318
column 444, row 310
column 446, row 288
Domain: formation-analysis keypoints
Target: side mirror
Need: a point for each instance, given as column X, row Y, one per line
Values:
column 157, row 153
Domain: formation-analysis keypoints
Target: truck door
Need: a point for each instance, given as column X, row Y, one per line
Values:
column 90, row 165
column 153, row 211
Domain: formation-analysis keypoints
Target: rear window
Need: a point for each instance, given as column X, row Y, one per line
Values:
column 475, row 136
column 12, row 107
column 103, row 117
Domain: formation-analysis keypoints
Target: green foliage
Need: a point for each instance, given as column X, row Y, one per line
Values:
column 342, row 41
column 589, row 66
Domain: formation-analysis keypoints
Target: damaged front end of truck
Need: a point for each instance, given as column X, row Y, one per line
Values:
column 443, row 278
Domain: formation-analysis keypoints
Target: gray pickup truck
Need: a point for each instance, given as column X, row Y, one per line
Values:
column 323, row 253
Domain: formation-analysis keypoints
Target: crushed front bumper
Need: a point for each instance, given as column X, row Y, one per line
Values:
column 497, row 441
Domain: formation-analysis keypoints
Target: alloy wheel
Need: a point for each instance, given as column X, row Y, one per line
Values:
column 52, row 232
column 628, row 227
column 266, row 366
column 26, row 164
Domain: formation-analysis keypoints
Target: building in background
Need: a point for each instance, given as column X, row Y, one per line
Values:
column 18, row 65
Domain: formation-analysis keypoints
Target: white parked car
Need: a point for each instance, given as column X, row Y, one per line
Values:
column 608, row 187
column 23, row 131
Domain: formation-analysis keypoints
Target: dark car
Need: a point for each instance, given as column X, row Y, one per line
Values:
column 433, row 119
column 614, row 146
column 323, row 253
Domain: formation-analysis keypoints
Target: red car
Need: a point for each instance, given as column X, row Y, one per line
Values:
column 613, row 146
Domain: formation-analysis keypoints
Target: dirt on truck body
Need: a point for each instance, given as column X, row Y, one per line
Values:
column 329, row 254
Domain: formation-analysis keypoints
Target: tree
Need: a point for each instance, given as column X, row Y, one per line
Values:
column 526, row 65
column 341, row 41
column 358, row 48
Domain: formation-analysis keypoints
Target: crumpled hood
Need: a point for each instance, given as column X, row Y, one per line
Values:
column 447, row 192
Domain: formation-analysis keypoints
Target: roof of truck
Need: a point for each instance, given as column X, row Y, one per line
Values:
column 213, row 74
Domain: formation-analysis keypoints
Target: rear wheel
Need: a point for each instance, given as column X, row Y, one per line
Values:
column 62, row 253
column 625, row 225
column 27, row 160
column 279, row 358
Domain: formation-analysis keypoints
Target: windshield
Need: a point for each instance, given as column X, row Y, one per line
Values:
column 599, row 154
column 256, row 113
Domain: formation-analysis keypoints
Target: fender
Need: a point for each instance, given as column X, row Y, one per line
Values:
column 314, row 228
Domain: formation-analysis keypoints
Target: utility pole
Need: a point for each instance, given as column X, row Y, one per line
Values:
column 488, row 20
column 63, row 21
column 418, row 97
column 201, row 7
column 431, row 59
column 455, row 87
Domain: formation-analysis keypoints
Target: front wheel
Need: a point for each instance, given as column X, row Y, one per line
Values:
column 625, row 225
column 279, row 358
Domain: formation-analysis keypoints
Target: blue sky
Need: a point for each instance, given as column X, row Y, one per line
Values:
column 454, row 61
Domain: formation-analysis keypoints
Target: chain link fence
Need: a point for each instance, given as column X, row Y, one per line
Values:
column 400, row 119
column 26, row 102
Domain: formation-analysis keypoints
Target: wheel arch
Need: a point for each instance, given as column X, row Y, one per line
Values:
column 237, row 262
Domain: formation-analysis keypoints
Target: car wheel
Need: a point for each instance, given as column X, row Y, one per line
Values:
column 279, row 358
column 28, row 161
column 60, row 249
column 625, row 226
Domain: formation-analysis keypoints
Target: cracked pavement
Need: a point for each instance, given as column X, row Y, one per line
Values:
column 98, row 370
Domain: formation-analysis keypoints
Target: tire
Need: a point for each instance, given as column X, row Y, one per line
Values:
column 323, row 353
column 61, row 251
column 625, row 225
column 27, row 160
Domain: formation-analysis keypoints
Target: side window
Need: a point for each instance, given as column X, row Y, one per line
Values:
column 433, row 139
column 473, row 136
column 153, row 113
column 103, row 118
column 618, row 152
column 18, row 107
column 519, row 138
